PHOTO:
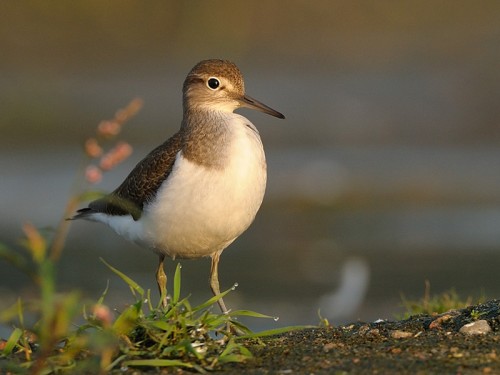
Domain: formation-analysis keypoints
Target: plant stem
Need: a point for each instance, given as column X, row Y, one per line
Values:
column 62, row 230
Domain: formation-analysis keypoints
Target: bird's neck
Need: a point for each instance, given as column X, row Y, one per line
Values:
column 206, row 137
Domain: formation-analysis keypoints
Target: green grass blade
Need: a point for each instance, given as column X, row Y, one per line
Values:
column 234, row 352
column 20, row 314
column 252, row 314
column 127, row 319
column 160, row 324
column 12, row 341
column 272, row 332
column 243, row 328
column 100, row 301
column 214, row 320
column 148, row 297
column 115, row 362
column 211, row 301
column 131, row 283
column 235, row 358
column 177, row 284
column 157, row 363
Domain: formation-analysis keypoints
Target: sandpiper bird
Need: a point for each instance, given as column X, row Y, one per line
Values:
column 197, row 192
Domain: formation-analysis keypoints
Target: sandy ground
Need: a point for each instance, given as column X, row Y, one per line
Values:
column 422, row 344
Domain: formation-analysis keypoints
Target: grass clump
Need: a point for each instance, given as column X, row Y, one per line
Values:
column 436, row 304
column 141, row 335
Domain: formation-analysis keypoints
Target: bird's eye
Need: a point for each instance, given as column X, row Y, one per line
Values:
column 213, row 83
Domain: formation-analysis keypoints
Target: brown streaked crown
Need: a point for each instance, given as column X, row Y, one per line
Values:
column 217, row 68
column 195, row 90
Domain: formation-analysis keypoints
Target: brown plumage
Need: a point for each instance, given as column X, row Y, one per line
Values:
column 141, row 184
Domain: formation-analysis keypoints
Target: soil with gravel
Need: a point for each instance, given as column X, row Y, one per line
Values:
column 463, row 341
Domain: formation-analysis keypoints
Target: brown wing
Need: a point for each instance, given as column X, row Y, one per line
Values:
column 141, row 184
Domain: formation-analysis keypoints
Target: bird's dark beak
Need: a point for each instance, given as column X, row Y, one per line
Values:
column 249, row 102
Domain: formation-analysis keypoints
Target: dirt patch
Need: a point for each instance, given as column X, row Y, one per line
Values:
column 423, row 344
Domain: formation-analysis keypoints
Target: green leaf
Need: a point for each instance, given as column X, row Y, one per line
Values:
column 157, row 363
column 103, row 295
column 272, row 332
column 214, row 320
column 237, row 358
column 127, row 319
column 115, row 362
column 131, row 283
column 160, row 324
column 211, row 301
column 148, row 297
column 234, row 352
column 20, row 314
column 177, row 284
column 253, row 314
column 35, row 243
column 244, row 329
column 12, row 341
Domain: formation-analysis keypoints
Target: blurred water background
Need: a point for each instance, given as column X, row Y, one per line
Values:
column 384, row 174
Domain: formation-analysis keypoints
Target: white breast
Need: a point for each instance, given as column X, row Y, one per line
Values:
column 199, row 211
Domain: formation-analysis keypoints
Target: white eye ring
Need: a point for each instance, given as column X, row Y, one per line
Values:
column 213, row 83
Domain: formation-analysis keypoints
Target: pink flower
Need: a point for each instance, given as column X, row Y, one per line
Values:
column 115, row 156
column 109, row 129
column 103, row 315
column 93, row 174
column 92, row 148
column 130, row 110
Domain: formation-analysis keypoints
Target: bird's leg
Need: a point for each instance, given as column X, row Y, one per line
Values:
column 161, row 279
column 214, row 284
column 214, row 280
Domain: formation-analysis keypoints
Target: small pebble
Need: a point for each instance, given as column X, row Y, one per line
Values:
column 329, row 346
column 373, row 332
column 436, row 323
column 363, row 329
column 400, row 334
column 479, row 327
